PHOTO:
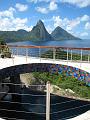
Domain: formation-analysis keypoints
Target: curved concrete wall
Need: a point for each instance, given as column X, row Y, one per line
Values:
column 46, row 67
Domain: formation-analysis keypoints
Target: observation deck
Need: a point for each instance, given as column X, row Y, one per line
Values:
column 75, row 57
column 68, row 58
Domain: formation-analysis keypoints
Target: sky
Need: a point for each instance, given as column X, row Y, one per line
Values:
column 71, row 15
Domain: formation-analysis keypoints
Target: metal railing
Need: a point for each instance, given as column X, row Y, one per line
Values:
column 52, row 52
column 50, row 110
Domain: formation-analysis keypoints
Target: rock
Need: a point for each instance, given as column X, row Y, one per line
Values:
column 70, row 91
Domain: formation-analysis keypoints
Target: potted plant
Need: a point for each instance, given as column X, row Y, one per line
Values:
column 5, row 52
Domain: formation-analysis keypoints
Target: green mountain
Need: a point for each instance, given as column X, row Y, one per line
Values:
column 14, row 36
column 61, row 34
column 39, row 32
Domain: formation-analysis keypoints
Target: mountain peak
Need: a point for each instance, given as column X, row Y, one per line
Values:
column 39, row 32
column 61, row 34
column 40, row 22
column 21, row 30
column 59, row 28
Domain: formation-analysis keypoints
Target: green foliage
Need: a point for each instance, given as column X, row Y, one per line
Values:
column 41, row 77
column 62, row 54
column 64, row 82
column 4, row 50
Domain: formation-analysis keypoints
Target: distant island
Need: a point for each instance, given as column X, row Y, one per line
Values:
column 38, row 33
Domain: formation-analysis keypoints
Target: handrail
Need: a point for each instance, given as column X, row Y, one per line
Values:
column 34, row 46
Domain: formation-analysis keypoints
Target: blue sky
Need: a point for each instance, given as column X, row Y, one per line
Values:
column 71, row 15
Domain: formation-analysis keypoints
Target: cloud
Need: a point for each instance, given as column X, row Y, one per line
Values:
column 21, row 7
column 7, row 13
column 68, row 24
column 84, row 34
column 52, row 6
column 35, row 1
column 87, row 26
column 57, row 21
column 79, row 3
column 42, row 10
column 49, row 28
column 73, row 23
column 8, row 22
column 85, row 18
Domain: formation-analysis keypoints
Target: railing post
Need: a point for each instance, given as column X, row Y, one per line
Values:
column 71, row 55
column 40, row 53
column 12, row 56
column 81, row 54
column 88, row 58
column 67, row 54
column 54, row 53
column 26, row 54
column 48, row 101
column 16, row 51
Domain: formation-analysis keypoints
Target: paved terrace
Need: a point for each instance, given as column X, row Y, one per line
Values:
column 19, row 60
column 32, row 54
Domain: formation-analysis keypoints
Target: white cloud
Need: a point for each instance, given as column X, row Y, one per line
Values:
column 8, row 22
column 87, row 26
column 49, row 29
column 35, row 1
column 57, row 21
column 7, row 13
column 73, row 23
column 52, row 6
column 85, row 18
column 20, row 21
column 84, row 34
column 68, row 24
column 21, row 7
column 42, row 10
column 79, row 3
